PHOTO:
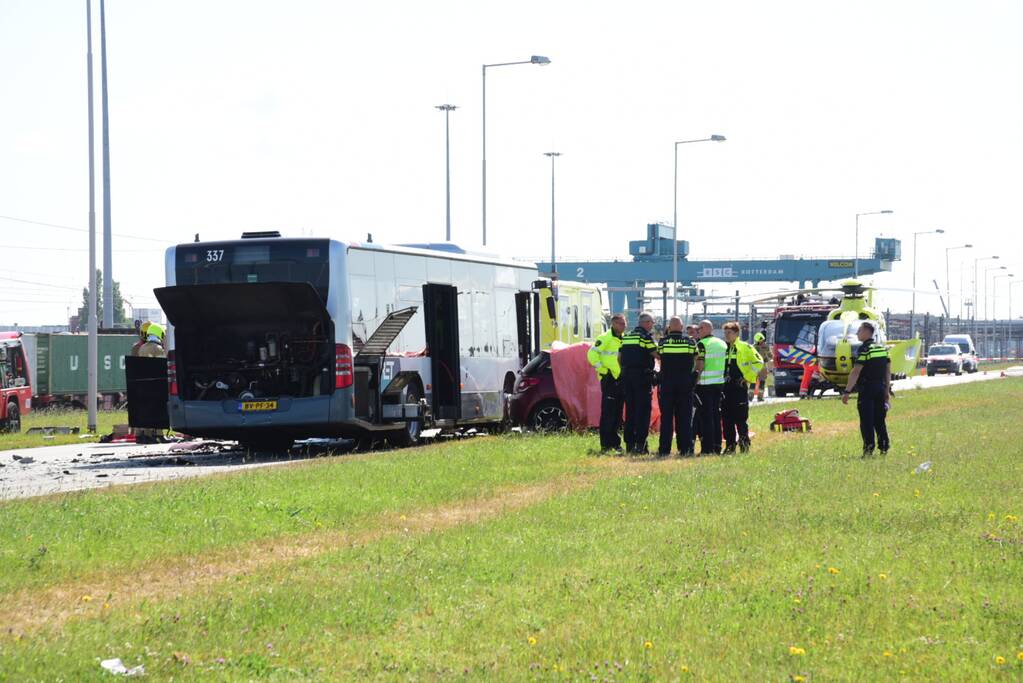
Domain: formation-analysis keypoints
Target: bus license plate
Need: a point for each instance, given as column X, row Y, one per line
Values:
column 257, row 406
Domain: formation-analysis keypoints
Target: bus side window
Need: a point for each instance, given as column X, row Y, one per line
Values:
column 586, row 321
column 575, row 320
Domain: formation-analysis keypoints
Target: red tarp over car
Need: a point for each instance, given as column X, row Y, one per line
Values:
column 578, row 389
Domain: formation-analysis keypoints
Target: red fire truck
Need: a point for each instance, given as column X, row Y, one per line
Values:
column 795, row 325
column 15, row 385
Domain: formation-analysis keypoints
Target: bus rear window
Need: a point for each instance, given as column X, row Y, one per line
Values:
column 277, row 260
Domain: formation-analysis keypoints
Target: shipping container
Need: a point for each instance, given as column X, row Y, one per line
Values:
column 60, row 371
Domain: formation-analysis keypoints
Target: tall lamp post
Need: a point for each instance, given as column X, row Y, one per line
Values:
column 447, row 109
column 1011, row 285
column 986, row 333
column 994, row 295
column 553, row 156
column 674, row 222
column 92, row 386
column 912, row 310
column 535, row 59
column 948, row 285
column 986, row 299
column 976, row 287
column 856, row 251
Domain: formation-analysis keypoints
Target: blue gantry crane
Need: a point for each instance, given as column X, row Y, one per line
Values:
column 651, row 268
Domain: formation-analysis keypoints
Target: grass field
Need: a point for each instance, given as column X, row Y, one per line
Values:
column 105, row 421
column 524, row 557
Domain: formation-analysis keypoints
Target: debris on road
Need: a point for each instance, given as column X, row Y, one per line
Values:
column 117, row 667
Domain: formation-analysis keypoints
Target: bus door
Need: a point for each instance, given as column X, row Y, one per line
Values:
column 440, row 309
column 525, row 314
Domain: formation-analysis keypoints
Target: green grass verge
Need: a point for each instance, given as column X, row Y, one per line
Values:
column 105, row 421
column 52, row 539
column 798, row 562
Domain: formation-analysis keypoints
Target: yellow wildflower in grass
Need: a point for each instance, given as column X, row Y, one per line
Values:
column 916, row 493
column 685, row 669
column 999, row 660
column 403, row 518
column 86, row 598
column 833, row 570
column 796, row 651
column 531, row 640
column 1019, row 655
column 796, row 678
column 796, row 600
column 888, row 654
column 648, row 645
column 990, row 516
column 882, row 576
column 1011, row 518
column 876, row 494
column 106, row 605
column 817, row 566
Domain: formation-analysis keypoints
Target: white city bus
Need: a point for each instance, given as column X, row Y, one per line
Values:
column 275, row 339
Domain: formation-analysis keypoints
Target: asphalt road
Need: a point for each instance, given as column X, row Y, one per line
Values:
column 51, row 470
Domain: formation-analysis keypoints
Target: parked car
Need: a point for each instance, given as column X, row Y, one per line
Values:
column 945, row 358
column 534, row 404
column 969, row 352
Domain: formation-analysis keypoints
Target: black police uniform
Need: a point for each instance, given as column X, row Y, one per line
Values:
column 875, row 363
column 637, row 360
column 675, row 392
column 735, row 404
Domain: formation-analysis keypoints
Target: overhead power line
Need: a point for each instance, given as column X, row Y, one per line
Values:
column 68, row 227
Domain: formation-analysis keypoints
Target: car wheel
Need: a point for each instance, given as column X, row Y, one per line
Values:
column 549, row 416
column 13, row 419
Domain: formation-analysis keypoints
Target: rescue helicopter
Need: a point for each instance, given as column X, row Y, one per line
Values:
column 837, row 344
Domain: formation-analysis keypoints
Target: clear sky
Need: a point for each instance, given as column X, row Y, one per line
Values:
column 318, row 118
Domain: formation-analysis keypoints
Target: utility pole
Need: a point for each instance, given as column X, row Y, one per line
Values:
column 108, row 256
column 93, row 343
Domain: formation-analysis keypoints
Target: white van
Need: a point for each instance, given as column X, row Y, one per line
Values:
column 966, row 347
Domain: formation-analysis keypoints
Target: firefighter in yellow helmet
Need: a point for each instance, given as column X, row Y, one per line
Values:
column 153, row 347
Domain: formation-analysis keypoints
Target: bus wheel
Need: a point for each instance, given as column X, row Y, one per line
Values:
column 13, row 423
column 409, row 434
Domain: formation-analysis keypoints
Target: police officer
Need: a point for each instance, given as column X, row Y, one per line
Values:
column 872, row 376
column 675, row 389
column 742, row 367
column 637, row 357
column 711, row 351
column 603, row 356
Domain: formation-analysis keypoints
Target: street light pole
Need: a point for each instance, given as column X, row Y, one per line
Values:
column 912, row 310
column 856, row 251
column 948, row 284
column 994, row 306
column 535, row 59
column 986, row 334
column 447, row 109
column 976, row 290
column 674, row 222
column 92, row 348
column 552, row 155
column 1011, row 285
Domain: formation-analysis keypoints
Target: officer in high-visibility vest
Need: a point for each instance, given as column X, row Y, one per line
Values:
column 675, row 389
column 764, row 349
column 603, row 356
column 637, row 356
column 711, row 351
column 742, row 367
column 872, row 376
